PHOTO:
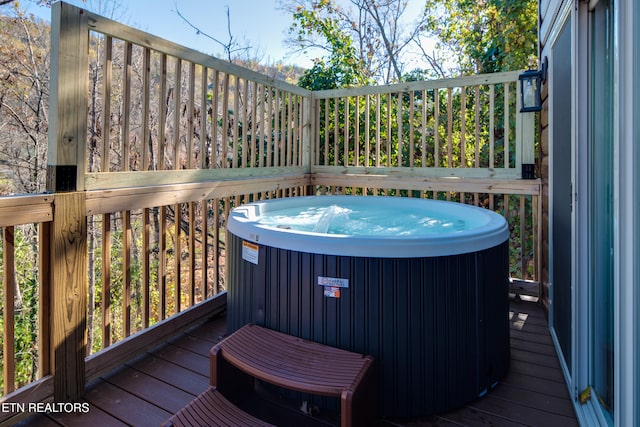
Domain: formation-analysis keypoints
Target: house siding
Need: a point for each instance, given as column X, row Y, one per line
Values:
column 548, row 14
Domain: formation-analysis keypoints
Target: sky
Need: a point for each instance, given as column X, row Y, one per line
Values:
column 256, row 23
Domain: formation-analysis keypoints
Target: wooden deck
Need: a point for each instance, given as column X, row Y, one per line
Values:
column 148, row 389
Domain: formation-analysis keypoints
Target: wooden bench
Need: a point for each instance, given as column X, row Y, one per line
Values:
column 296, row 364
column 212, row 409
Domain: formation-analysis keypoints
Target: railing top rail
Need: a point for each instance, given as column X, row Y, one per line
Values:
column 475, row 80
column 25, row 209
column 120, row 31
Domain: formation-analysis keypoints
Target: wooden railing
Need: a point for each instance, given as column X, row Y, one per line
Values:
column 132, row 238
column 25, row 224
column 468, row 127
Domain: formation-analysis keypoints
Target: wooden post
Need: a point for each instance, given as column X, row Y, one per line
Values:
column 69, row 296
column 68, row 98
column 66, row 169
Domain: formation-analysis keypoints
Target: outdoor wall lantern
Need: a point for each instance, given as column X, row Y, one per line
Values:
column 530, row 85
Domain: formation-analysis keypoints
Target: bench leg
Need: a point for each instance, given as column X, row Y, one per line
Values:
column 227, row 379
column 359, row 407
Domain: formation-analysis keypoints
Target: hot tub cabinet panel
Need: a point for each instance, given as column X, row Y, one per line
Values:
column 437, row 326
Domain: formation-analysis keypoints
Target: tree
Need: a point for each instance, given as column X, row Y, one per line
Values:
column 231, row 47
column 24, row 97
column 343, row 68
column 368, row 38
column 16, row 3
column 485, row 36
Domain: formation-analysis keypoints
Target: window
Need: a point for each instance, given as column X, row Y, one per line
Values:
column 601, row 206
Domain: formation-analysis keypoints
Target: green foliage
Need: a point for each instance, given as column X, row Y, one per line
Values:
column 25, row 307
column 485, row 36
column 343, row 67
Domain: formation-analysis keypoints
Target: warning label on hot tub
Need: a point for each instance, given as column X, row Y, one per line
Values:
column 333, row 282
column 332, row 292
column 250, row 252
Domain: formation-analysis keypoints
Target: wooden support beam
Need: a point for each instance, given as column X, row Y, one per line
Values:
column 68, row 98
column 69, row 296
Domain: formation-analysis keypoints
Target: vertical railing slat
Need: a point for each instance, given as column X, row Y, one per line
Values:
column 463, row 127
column 177, row 258
column 260, row 123
column 356, row 131
column 295, row 131
column 449, row 127
column 224, row 113
column 423, row 130
column 270, row 137
column 216, row 245
column 146, row 267
column 275, row 118
column 204, row 253
column 162, row 108
column 44, row 308
column 346, row 132
column 235, row 127
column 162, row 264
column 106, row 101
column 436, row 127
column 412, row 112
column 126, row 272
column 399, row 122
column 326, row 131
column 336, row 130
column 215, row 137
column 146, row 95
column 177, row 104
column 244, row 157
column 284, row 128
column 378, row 125
column 191, row 258
column 491, row 126
column 204, row 89
column 506, row 125
column 367, row 134
column 126, row 106
column 106, row 279
column 191, row 102
column 9, row 280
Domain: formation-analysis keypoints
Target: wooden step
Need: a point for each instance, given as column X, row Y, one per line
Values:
column 295, row 364
column 211, row 408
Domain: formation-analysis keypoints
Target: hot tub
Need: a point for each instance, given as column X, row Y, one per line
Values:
column 422, row 285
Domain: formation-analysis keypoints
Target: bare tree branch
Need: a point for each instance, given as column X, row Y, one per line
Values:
column 230, row 47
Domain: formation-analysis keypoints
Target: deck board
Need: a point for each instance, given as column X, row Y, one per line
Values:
column 97, row 417
column 180, row 377
column 126, row 407
column 149, row 388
